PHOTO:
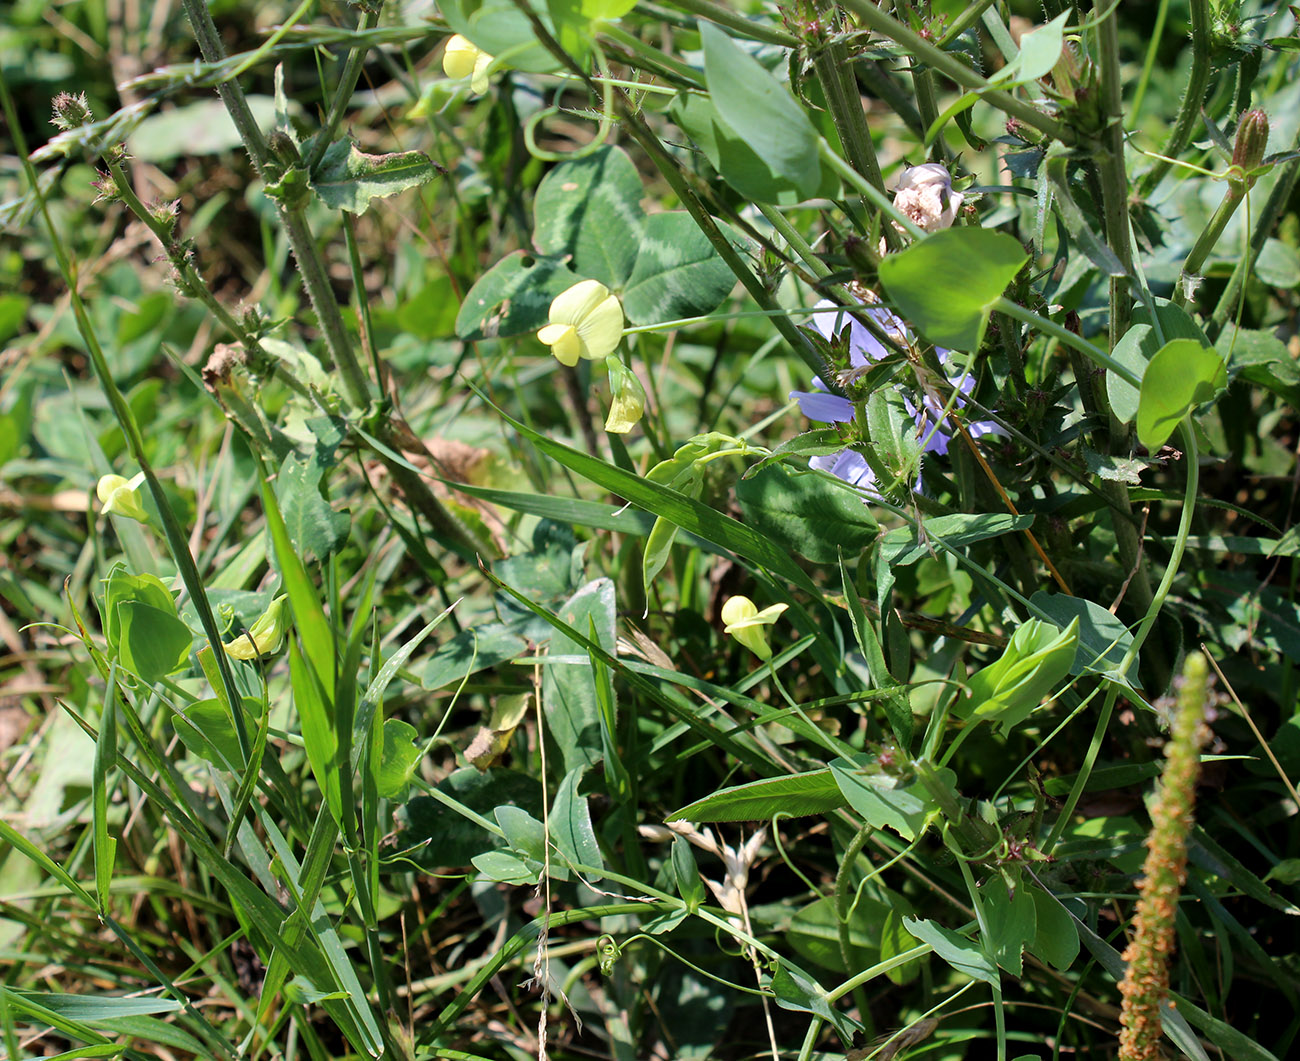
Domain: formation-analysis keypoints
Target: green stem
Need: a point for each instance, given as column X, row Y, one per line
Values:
column 1068, row 338
column 347, row 83
column 176, row 540
column 926, row 104
column 194, row 284
column 1276, row 203
column 1206, row 241
column 1110, row 164
column 1192, row 461
column 1153, row 49
column 835, row 74
column 923, row 50
column 733, row 20
column 656, row 61
column 1189, row 113
column 1085, row 770
column 794, row 239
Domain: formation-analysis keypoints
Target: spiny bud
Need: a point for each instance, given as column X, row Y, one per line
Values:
column 105, row 186
column 1252, row 141
column 71, row 111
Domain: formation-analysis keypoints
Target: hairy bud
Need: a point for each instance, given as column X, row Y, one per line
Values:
column 71, row 111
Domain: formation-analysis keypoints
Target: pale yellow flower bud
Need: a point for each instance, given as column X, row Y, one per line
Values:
column 462, row 58
column 586, row 322
column 746, row 623
column 121, row 496
column 264, row 637
column 629, row 398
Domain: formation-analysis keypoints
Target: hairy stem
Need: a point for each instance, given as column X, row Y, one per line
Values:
column 1189, row 113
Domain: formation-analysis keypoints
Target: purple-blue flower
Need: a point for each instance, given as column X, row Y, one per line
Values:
column 864, row 350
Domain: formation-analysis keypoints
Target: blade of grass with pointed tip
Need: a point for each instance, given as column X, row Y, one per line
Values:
column 690, row 515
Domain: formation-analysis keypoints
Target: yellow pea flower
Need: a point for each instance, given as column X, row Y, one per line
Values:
column 264, row 637
column 745, row 623
column 121, row 496
column 462, row 58
column 586, row 321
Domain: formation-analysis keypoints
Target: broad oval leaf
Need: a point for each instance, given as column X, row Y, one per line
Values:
column 761, row 111
column 1182, row 375
column 590, row 208
column 678, row 272
column 945, row 284
column 513, row 297
column 806, row 513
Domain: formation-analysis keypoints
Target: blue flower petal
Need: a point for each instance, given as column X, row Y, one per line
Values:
column 850, row 466
column 828, row 408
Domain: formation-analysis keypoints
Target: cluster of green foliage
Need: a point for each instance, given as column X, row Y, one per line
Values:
column 363, row 697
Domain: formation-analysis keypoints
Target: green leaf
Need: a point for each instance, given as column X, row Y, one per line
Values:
column 469, row 652
column 513, row 297
column 903, row 546
column 946, row 284
column 122, row 586
column 896, row 940
column 882, row 800
column 506, row 868
column 686, row 874
column 1056, row 941
column 206, row 730
column 523, row 832
column 678, row 272
column 1103, row 639
column 568, row 693
column 797, row 796
column 959, row 952
column 814, row 934
column 348, row 178
column 761, row 111
column 1008, row 690
column 95, row 1008
column 1139, row 345
column 1011, row 923
column 1182, row 375
column 571, row 829
column 590, row 208
column 805, row 513
column 1040, row 49
column 401, row 756
column 1278, row 265
column 796, row 990
column 152, row 642
column 736, row 161
column 689, row 514
column 1261, row 357
column 314, row 527
column 442, row 835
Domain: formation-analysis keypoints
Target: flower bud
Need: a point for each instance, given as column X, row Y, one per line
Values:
column 746, row 623
column 71, row 111
column 629, row 398
column 121, row 496
column 1252, row 141
column 925, row 195
column 264, row 637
